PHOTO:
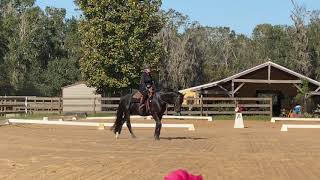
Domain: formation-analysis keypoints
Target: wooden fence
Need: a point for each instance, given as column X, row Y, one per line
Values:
column 224, row 106
column 25, row 104
column 205, row 106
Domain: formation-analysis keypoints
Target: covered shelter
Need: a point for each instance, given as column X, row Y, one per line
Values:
column 78, row 97
column 265, row 80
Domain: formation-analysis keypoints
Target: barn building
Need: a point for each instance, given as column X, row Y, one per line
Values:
column 265, row 80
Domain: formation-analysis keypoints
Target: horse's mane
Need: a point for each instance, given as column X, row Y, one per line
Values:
column 169, row 91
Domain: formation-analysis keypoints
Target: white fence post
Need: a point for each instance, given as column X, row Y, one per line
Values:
column 26, row 105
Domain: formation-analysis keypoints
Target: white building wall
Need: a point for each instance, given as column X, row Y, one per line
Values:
column 85, row 98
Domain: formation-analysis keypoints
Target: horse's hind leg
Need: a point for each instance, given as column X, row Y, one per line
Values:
column 118, row 132
column 127, row 117
column 118, row 128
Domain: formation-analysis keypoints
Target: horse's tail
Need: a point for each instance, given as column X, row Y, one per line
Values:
column 120, row 113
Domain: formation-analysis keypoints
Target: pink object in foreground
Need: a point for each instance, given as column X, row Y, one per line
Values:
column 182, row 175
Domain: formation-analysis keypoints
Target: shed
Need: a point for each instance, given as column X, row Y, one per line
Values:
column 267, row 79
column 78, row 97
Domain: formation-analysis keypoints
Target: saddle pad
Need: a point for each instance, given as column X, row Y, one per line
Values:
column 137, row 95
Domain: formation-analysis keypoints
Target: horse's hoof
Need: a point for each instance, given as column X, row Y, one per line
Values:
column 157, row 138
column 133, row 136
column 117, row 135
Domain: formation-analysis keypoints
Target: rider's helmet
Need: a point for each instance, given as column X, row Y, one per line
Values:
column 147, row 69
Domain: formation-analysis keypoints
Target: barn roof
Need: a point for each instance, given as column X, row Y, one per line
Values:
column 74, row 84
column 266, row 64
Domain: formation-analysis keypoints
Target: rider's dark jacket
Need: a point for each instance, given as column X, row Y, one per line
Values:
column 145, row 81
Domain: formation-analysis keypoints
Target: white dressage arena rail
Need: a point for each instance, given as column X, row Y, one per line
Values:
column 113, row 118
column 274, row 119
column 209, row 118
column 97, row 124
column 285, row 127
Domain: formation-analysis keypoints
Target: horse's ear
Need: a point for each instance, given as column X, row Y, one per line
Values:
column 181, row 93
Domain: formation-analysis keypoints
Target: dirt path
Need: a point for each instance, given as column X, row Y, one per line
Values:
column 215, row 150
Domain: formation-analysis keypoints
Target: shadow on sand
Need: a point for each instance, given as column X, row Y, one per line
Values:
column 181, row 138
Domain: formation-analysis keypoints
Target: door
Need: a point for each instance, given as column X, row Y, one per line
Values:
column 276, row 99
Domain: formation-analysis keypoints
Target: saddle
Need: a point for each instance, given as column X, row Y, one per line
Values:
column 144, row 109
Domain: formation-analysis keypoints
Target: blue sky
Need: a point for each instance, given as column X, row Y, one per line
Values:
column 240, row 15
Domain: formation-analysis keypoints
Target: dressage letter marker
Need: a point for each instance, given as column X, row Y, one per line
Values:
column 238, row 122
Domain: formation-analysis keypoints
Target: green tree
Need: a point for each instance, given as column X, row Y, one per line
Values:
column 117, row 40
column 302, row 60
column 220, row 53
column 13, row 13
column 72, row 39
column 4, row 83
column 59, row 73
column 273, row 43
column 34, row 39
column 3, row 41
column 313, row 32
column 184, row 45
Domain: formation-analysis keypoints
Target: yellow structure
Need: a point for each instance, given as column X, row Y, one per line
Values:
column 190, row 94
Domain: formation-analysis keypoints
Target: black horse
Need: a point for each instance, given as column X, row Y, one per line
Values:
column 129, row 106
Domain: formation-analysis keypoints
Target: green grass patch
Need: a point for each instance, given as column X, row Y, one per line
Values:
column 101, row 115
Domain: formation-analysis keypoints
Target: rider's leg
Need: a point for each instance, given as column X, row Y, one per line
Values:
column 144, row 97
column 141, row 100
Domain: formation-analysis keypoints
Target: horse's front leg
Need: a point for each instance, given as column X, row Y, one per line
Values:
column 158, row 127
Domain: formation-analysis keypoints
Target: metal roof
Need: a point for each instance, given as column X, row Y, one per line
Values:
column 266, row 64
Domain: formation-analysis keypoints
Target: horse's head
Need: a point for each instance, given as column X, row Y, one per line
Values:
column 173, row 97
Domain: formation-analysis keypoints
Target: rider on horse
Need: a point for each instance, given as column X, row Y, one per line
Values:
column 146, row 84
